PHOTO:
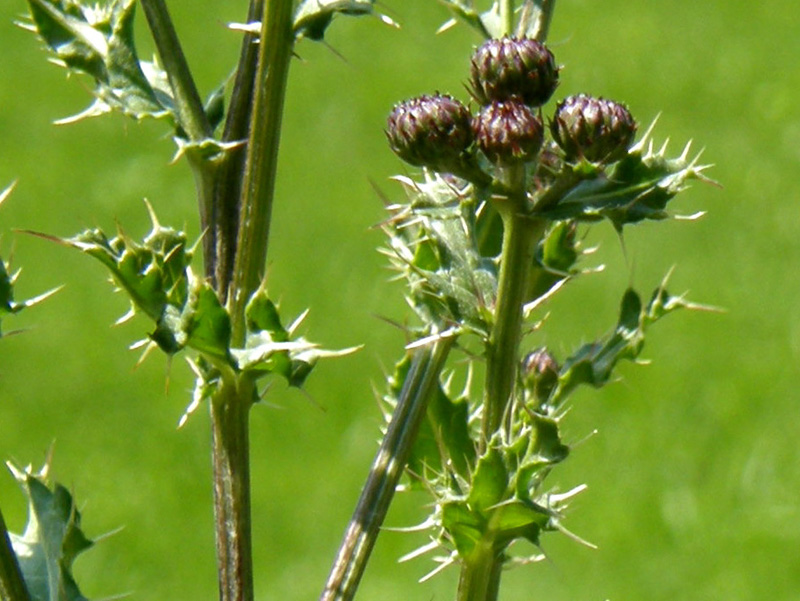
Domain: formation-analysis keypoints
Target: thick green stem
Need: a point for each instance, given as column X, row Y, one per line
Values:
column 387, row 467
column 230, row 406
column 521, row 234
column 480, row 574
column 12, row 585
column 522, row 231
column 231, row 465
column 258, row 187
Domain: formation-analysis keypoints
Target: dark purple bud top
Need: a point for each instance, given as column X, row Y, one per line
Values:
column 520, row 68
column 508, row 132
column 430, row 131
column 594, row 129
column 540, row 373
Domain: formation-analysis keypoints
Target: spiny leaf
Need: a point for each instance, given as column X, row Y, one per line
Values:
column 51, row 541
column 99, row 41
column 272, row 349
column 638, row 187
column 594, row 363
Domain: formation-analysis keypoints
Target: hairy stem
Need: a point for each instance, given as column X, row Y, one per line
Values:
column 12, row 585
column 387, row 467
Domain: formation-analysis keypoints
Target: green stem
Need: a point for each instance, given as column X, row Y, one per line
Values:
column 480, row 574
column 387, row 467
column 230, row 406
column 191, row 115
column 231, row 472
column 12, row 584
column 521, row 234
column 507, row 16
column 225, row 218
column 258, row 186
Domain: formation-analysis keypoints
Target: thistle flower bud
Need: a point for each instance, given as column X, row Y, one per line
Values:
column 540, row 373
column 508, row 132
column 430, row 131
column 520, row 68
column 594, row 129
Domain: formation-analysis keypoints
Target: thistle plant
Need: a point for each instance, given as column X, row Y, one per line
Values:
column 500, row 191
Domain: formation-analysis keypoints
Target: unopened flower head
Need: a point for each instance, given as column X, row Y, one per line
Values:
column 508, row 132
column 519, row 68
column 540, row 372
column 430, row 131
column 593, row 129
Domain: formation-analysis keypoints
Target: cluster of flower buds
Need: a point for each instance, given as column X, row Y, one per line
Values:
column 511, row 78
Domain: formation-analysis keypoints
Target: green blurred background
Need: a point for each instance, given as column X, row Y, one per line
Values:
column 694, row 474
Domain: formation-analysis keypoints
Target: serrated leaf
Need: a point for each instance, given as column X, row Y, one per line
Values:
column 51, row 541
column 594, row 363
column 99, row 41
column 272, row 349
column 637, row 188
column 435, row 244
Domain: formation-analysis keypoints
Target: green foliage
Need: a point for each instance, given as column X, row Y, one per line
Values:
column 98, row 41
column 313, row 17
column 52, row 540
column 9, row 306
column 638, row 187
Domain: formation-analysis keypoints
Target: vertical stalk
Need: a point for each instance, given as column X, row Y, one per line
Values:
column 387, row 467
column 230, row 406
column 521, row 234
column 12, row 585
column 231, row 466
column 480, row 574
column 507, row 16
column 227, row 193
column 480, row 571
column 258, row 187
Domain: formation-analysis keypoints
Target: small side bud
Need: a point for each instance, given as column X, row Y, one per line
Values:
column 519, row 68
column 508, row 132
column 540, row 374
column 593, row 129
column 431, row 131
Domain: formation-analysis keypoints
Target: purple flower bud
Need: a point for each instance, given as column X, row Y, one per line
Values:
column 593, row 129
column 430, row 131
column 508, row 132
column 540, row 373
column 519, row 68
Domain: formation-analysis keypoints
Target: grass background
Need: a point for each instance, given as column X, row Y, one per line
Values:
column 694, row 473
